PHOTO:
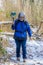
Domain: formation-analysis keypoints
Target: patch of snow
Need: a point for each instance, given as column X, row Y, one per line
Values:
column 34, row 49
column 9, row 50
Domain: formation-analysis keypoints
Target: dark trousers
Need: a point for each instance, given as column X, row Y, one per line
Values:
column 20, row 43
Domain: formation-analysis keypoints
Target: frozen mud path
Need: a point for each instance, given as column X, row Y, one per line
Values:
column 34, row 53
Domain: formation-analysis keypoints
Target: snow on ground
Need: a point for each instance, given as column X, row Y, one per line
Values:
column 34, row 52
column 34, row 48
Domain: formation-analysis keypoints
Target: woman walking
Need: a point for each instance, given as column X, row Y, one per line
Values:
column 21, row 28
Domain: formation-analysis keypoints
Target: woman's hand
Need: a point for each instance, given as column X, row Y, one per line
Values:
column 30, row 38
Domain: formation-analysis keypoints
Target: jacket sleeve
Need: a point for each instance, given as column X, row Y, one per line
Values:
column 29, row 30
column 13, row 26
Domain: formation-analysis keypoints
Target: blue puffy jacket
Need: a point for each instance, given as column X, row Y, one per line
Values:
column 21, row 28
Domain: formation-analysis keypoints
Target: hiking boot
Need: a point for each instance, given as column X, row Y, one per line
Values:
column 24, row 60
column 18, row 59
